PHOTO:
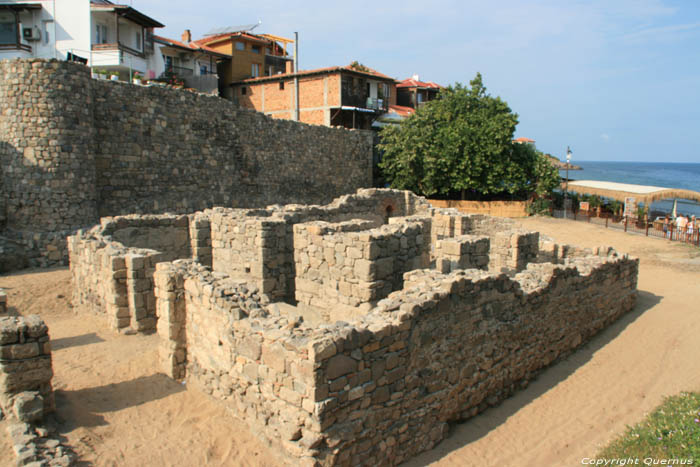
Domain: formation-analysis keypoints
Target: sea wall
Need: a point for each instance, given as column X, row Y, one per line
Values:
column 73, row 149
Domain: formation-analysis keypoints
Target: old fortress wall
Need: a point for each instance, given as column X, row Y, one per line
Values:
column 350, row 333
column 74, row 149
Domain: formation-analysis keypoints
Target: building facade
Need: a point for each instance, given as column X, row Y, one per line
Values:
column 185, row 61
column 251, row 56
column 337, row 96
column 97, row 33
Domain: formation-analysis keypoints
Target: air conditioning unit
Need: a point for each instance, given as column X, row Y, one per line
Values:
column 31, row 33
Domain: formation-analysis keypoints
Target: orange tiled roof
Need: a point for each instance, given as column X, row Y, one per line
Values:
column 401, row 110
column 332, row 69
column 414, row 83
column 524, row 140
column 192, row 45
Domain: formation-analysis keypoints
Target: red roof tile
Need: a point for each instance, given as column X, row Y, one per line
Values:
column 414, row 83
column 192, row 45
column 401, row 110
column 332, row 69
column 524, row 140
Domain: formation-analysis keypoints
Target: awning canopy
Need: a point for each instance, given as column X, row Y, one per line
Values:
column 21, row 6
column 619, row 191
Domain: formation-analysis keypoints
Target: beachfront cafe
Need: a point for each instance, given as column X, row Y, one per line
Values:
column 635, row 195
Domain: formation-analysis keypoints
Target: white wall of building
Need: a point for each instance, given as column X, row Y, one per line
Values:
column 68, row 26
column 72, row 27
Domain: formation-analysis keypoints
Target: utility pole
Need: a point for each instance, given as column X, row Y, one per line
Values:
column 296, row 77
column 566, row 189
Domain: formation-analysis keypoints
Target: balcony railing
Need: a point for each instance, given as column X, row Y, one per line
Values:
column 25, row 47
column 118, row 46
column 179, row 70
column 376, row 104
column 363, row 101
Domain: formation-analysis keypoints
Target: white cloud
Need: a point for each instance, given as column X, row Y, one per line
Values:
column 660, row 33
column 605, row 137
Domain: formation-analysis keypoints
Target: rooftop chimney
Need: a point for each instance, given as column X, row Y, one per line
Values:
column 187, row 36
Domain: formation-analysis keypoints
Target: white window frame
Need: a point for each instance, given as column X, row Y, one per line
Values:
column 101, row 33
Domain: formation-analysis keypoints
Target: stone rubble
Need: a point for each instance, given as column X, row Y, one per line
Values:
column 26, row 397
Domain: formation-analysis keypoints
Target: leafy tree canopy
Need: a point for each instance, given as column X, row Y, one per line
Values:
column 355, row 65
column 461, row 143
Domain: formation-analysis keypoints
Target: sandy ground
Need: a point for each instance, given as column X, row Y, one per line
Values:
column 116, row 409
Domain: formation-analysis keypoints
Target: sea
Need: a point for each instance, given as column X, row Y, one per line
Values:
column 661, row 174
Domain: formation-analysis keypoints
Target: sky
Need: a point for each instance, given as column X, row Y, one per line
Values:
column 615, row 80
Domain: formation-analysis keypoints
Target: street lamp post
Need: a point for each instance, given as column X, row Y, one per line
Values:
column 566, row 188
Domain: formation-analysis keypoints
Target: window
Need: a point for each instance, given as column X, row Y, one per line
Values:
column 256, row 49
column 203, row 70
column 255, row 70
column 101, row 36
column 138, row 40
column 45, row 31
column 8, row 28
column 243, row 91
column 168, row 62
column 281, row 85
column 240, row 45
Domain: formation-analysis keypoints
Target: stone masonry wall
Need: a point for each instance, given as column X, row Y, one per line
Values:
column 462, row 252
column 116, row 278
column 513, row 250
column 25, row 368
column 381, row 389
column 259, row 244
column 448, row 346
column 112, row 264
column 349, row 264
column 73, row 149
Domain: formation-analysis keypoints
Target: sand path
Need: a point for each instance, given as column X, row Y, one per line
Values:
column 118, row 410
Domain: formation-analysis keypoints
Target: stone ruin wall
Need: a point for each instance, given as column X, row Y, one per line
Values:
column 25, row 368
column 344, row 265
column 379, row 384
column 26, row 394
column 112, row 265
column 73, row 149
column 383, row 388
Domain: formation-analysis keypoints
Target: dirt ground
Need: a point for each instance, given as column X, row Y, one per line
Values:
column 116, row 409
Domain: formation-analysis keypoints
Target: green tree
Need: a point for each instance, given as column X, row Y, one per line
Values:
column 461, row 143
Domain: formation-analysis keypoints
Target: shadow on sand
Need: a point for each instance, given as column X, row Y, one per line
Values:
column 85, row 406
column 461, row 434
column 75, row 341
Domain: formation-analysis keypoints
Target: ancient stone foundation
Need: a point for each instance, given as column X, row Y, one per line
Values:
column 25, row 368
column 26, row 396
column 353, row 333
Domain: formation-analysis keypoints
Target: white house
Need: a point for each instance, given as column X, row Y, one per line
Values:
column 98, row 33
column 187, row 61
